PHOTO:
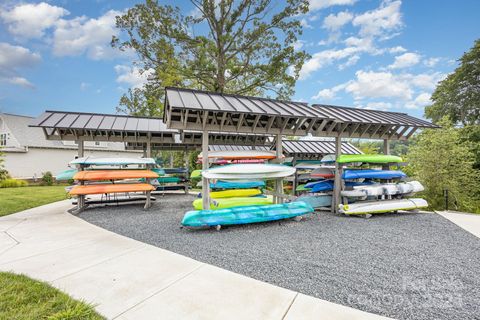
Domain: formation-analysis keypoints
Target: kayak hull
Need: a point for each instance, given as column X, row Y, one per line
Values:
column 224, row 203
column 245, row 215
column 371, row 207
column 92, row 175
column 110, row 188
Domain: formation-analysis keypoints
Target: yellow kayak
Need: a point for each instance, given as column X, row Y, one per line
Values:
column 224, row 203
column 235, row 193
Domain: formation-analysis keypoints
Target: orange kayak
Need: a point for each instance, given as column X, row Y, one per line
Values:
column 110, row 188
column 114, row 174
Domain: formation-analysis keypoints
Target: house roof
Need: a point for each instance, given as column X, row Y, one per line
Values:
column 32, row 137
column 200, row 110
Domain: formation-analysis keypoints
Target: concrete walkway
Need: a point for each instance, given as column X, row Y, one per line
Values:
column 467, row 221
column 127, row 279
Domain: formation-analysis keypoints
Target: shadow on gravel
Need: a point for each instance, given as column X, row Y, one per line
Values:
column 405, row 266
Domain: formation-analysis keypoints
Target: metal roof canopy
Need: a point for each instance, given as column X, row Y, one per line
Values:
column 200, row 110
column 61, row 125
column 314, row 149
column 135, row 131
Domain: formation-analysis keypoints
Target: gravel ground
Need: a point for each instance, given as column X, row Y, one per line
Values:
column 405, row 266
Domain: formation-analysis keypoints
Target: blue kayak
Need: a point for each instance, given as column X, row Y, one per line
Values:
column 372, row 174
column 66, row 175
column 317, row 201
column 220, row 184
column 327, row 185
column 244, row 215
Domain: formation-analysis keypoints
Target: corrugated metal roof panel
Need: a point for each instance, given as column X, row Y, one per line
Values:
column 312, row 147
column 212, row 101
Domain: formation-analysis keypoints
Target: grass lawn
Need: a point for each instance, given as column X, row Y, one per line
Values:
column 24, row 298
column 17, row 199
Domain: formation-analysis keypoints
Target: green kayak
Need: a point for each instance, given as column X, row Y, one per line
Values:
column 223, row 203
column 302, row 187
column 196, row 174
column 368, row 158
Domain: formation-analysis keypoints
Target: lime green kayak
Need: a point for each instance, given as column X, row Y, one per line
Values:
column 235, row 193
column 368, row 158
column 302, row 187
column 196, row 174
column 224, row 203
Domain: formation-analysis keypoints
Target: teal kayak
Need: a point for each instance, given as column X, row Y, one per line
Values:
column 244, row 215
column 65, row 175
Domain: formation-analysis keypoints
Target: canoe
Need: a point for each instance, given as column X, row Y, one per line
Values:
column 383, row 189
column 196, row 174
column 110, row 188
column 114, row 174
column 302, row 187
column 158, row 171
column 112, row 161
column 368, row 158
column 372, row 174
column 369, row 207
column 220, row 184
column 168, row 179
column 66, row 174
column 323, row 172
column 235, row 193
column 174, row 170
column 329, row 158
column 318, row 201
column 249, row 168
column 224, row 203
column 249, row 171
column 240, row 154
column 327, row 185
column 244, row 215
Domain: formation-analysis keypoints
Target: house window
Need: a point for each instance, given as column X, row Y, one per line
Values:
column 3, row 139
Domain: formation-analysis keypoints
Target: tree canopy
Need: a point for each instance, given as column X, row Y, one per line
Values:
column 241, row 47
column 441, row 159
column 458, row 96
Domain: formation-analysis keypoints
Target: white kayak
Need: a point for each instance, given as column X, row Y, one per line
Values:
column 383, row 189
column 369, row 207
column 249, row 168
column 249, row 171
column 112, row 161
column 240, row 154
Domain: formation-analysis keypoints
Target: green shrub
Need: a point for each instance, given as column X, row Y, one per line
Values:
column 13, row 183
column 47, row 179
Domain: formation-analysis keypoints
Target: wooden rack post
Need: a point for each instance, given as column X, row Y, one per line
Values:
column 337, row 186
column 279, row 181
column 205, row 182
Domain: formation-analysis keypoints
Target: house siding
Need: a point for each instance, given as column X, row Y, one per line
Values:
column 36, row 161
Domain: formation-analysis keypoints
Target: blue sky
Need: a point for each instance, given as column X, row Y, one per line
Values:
column 385, row 55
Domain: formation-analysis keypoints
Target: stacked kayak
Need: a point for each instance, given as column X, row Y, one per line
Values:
column 244, row 215
column 388, row 193
column 100, row 178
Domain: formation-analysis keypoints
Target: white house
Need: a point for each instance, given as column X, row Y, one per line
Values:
column 28, row 154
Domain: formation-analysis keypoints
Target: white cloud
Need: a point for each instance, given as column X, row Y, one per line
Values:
column 397, row 49
column 422, row 100
column 31, row 20
column 370, row 84
column 134, row 77
column 405, row 60
column 381, row 21
column 431, row 62
column 426, row 81
column 328, row 94
column 350, row 62
column 86, row 36
column 324, row 58
column 334, row 22
column 383, row 106
column 298, row 45
column 13, row 58
column 322, row 4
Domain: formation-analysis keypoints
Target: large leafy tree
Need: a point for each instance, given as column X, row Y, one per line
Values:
column 441, row 159
column 241, row 47
column 458, row 96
